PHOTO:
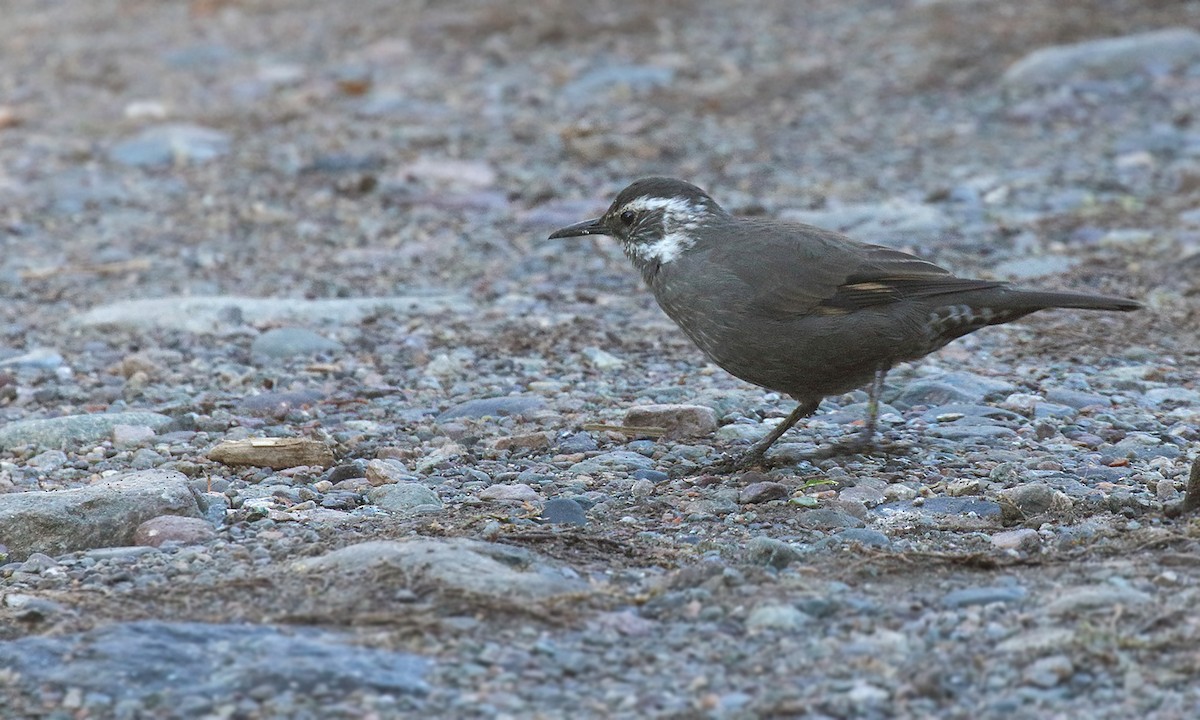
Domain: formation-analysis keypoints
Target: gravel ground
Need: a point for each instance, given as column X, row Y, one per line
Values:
column 301, row 416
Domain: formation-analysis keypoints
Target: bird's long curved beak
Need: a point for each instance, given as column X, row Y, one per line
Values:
column 587, row 227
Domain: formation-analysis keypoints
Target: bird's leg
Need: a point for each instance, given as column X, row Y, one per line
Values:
column 754, row 456
column 872, row 420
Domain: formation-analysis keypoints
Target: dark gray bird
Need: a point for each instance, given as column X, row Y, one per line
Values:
column 797, row 309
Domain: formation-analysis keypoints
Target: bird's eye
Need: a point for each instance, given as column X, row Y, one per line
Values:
column 628, row 217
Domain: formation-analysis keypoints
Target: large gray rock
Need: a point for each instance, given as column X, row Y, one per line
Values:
column 501, row 572
column 74, row 431
column 136, row 662
column 211, row 313
column 102, row 515
column 1105, row 58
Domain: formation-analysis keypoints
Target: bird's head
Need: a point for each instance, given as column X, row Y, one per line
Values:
column 655, row 219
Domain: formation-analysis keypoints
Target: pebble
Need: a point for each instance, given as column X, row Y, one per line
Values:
column 984, row 596
column 616, row 460
column 564, row 511
column 770, row 552
column 290, row 342
column 513, row 405
column 173, row 144
column 1082, row 598
column 1022, row 540
column 776, row 617
column 519, row 492
column 163, row 529
column 1049, row 671
column 679, row 421
column 761, row 492
column 405, row 498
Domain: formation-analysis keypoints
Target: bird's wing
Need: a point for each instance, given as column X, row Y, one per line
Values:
column 802, row 270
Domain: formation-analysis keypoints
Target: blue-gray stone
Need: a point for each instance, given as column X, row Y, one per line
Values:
column 862, row 536
column 616, row 460
column 654, row 476
column 494, row 407
column 74, row 431
column 978, row 432
column 286, row 342
column 1076, row 398
column 1044, row 410
column 984, row 595
column 563, row 510
column 130, row 662
column 637, row 78
column 170, row 144
column 577, row 442
column 958, row 506
column 827, row 519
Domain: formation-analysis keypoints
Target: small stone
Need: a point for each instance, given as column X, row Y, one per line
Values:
column 289, row 342
column 642, row 488
column 512, row 405
column 680, row 421
column 827, row 519
column 405, row 498
column 1091, row 597
column 384, row 472
column 157, row 531
column 610, row 461
column 776, row 617
column 1049, row 671
column 770, row 552
column 563, row 511
column 128, row 435
column 601, row 359
column 500, row 492
column 761, row 492
column 984, row 596
column 1022, row 540
column 171, row 145
column 1031, row 500
column 963, row 486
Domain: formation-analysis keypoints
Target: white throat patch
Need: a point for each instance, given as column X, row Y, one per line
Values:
column 679, row 216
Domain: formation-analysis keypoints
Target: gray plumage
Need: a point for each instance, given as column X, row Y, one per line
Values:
column 795, row 308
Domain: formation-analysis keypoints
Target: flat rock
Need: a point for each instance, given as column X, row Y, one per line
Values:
column 288, row 342
column 138, row 662
column 616, row 460
column 174, row 144
column 106, row 514
column 771, row 552
column 456, row 564
column 1091, row 597
column 406, row 498
column 494, row 407
column 204, row 314
column 776, row 617
column 1104, row 58
column 679, row 421
column 563, row 511
column 163, row 529
column 74, row 431
column 984, row 595
column 519, row 492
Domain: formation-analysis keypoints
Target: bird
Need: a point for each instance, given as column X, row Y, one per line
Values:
column 798, row 309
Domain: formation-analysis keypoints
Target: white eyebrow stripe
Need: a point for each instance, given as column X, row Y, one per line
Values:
column 675, row 206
